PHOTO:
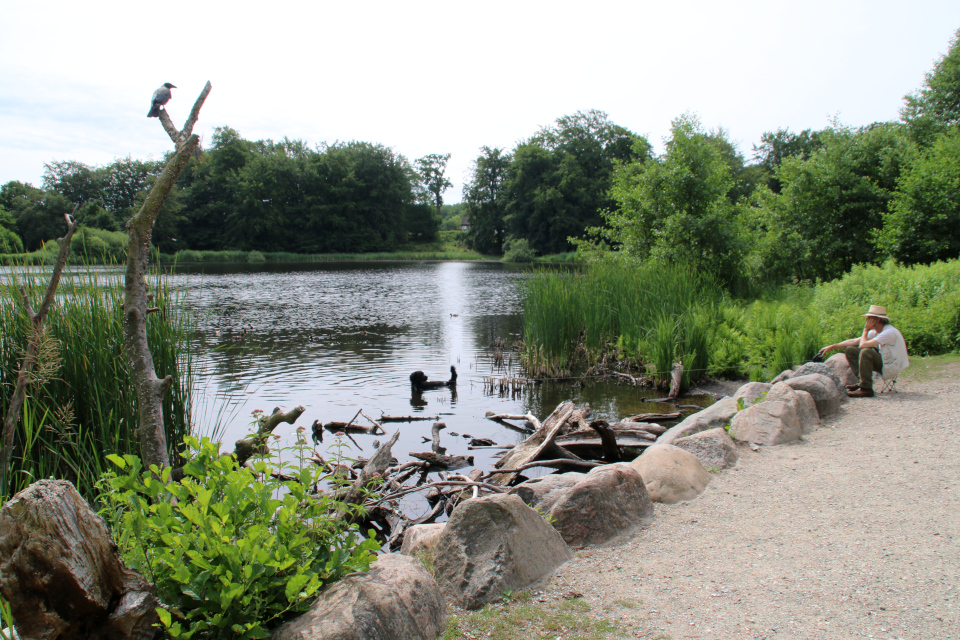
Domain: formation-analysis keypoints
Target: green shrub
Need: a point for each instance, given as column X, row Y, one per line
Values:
column 518, row 250
column 233, row 551
column 10, row 242
column 256, row 257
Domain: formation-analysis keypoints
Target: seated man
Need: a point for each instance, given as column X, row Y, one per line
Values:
column 881, row 348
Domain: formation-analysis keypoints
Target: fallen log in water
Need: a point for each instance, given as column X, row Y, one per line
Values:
column 436, row 461
column 532, row 448
column 646, row 417
column 532, row 423
column 384, row 418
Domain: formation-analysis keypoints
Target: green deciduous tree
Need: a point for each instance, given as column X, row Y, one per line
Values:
column 831, row 205
column 935, row 108
column 485, row 198
column 431, row 181
column 559, row 180
column 923, row 223
column 677, row 207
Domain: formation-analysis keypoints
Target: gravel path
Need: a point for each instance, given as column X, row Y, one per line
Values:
column 852, row 533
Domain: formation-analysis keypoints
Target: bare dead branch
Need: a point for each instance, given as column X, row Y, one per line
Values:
column 30, row 354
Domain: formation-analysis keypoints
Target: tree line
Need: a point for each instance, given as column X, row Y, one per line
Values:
column 809, row 205
column 245, row 195
column 804, row 206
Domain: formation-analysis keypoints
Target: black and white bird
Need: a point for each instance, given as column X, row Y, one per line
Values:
column 160, row 97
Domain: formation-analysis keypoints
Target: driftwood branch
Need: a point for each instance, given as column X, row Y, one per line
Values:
column 30, row 353
column 151, row 389
column 440, row 483
column 532, row 448
column 256, row 444
column 553, row 464
column 180, row 137
column 377, row 465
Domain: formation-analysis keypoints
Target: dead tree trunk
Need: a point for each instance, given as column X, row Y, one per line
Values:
column 34, row 337
column 151, row 389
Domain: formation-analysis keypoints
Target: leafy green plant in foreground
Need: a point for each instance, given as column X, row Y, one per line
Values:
column 233, row 551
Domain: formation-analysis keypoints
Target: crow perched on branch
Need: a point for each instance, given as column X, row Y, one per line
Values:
column 160, row 97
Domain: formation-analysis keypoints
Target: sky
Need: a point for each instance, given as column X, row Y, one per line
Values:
column 447, row 77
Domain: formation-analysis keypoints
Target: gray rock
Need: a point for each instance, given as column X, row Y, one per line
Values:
column 671, row 474
column 823, row 389
column 608, row 503
column 784, row 375
column 802, row 403
column 495, row 544
column 714, row 448
column 716, row 415
column 752, row 393
column 421, row 537
column 543, row 492
column 838, row 362
column 768, row 423
column 397, row 598
column 61, row 572
column 823, row 369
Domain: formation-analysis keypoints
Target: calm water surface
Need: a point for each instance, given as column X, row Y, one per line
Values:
column 337, row 338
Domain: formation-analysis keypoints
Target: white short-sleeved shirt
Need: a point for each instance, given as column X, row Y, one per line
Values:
column 893, row 348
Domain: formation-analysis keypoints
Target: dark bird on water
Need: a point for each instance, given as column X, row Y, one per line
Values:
column 160, row 97
column 419, row 381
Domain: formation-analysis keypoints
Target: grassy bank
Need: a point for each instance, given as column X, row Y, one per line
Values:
column 82, row 405
column 650, row 316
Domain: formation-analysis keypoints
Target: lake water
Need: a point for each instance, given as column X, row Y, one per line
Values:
column 338, row 338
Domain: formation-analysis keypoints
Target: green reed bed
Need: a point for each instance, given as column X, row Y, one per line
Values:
column 652, row 314
column 83, row 405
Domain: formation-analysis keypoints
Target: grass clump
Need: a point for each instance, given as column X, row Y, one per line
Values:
column 82, row 403
column 520, row 618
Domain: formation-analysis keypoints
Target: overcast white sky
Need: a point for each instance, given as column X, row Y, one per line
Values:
column 447, row 77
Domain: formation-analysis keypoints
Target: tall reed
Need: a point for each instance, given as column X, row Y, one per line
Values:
column 655, row 313
column 85, row 406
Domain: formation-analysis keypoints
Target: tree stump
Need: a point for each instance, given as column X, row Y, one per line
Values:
column 62, row 574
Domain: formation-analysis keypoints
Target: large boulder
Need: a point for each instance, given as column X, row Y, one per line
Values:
column 716, row 415
column 802, row 403
column 752, row 393
column 543, row 492
column 608, row 503
column 492, row 545
column 768, row 423
column 62, row 574
column 396, row 598
column 671, row 474
column 786, row 374
column 823, row 369
column 713, row 448
column 421, row 537
column 838, row 362
column 823, row 389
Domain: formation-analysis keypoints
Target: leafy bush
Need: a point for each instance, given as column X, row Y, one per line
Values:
column 10, row 242
column 233, row 551
column 518, row 250
column 256, row 257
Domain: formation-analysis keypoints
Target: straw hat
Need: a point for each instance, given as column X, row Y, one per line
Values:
column 876, row 311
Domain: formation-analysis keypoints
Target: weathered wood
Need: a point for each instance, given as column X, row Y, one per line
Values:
column 650, row 427
column 611, row 452
column 646, row 417
column 440, row 461
column 676, row 377
column 553, row 464
column 531, row 448
column 335, row 426
column 34, row 338
column 62, row 574
column 435, row 433
column 379, row 462
column 256, row 444
column 384, row 418
column 503, row 417
column 440, row 483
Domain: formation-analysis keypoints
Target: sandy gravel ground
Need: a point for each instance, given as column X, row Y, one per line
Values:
column 852, row 533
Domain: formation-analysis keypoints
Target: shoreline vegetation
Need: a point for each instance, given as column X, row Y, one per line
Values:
column 619, row 315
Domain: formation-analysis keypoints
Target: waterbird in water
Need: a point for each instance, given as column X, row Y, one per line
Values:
column 160, row 97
